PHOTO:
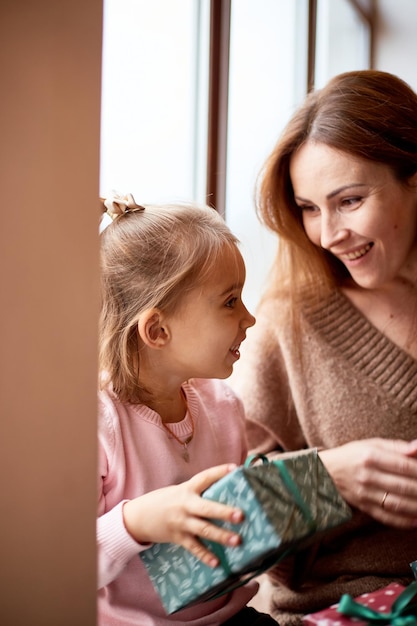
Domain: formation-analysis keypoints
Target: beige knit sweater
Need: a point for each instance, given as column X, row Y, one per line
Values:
column 348, row 382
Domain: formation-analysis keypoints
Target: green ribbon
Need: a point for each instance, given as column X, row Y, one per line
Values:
column 403, row 611
column 293, row 489
column 219, row 550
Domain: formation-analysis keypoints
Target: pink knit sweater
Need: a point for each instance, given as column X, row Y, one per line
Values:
column 136, row 455
column 347, row 382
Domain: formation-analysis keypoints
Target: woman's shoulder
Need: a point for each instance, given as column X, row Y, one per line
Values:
column 282, row 306
column 284, row 323
column 274, row 306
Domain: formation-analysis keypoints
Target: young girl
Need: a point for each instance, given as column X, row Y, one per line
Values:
column 172, row 320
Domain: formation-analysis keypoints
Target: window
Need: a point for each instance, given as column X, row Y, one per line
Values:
column 267, row 80
column 342, row 39
column 154, row 99
column 158, row 139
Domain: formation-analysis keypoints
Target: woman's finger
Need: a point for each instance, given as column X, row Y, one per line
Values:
column 398, row 508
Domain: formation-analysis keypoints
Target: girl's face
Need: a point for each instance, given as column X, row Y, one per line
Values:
column 359, row 212
column 211, row 323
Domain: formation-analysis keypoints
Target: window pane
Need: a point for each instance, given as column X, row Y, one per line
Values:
column 268, row 77
column 343, row 40
column 154, row 99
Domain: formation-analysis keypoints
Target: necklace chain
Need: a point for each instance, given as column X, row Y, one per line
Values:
column 185, row 454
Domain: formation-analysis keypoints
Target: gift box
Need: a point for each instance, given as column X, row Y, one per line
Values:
column 394, row 605
column 287, row 503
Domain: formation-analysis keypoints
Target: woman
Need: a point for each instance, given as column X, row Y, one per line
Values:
column 332, row 361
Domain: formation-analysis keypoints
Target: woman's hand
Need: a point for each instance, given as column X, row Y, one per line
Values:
column 377, row 476
column 179, row 514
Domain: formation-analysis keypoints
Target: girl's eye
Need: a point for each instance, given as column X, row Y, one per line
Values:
column 231, row 302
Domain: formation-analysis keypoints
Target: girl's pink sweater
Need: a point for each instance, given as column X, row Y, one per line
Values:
column 137, row 455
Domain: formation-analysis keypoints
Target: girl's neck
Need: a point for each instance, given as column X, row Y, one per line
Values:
column 171, row 408
column 167, row 397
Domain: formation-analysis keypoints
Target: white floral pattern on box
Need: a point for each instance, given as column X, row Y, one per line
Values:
column 274, row 524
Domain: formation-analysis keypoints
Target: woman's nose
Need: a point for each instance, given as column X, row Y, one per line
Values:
column 333, row 230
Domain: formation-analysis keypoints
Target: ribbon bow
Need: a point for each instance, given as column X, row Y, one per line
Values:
column 403, row 611
column 117, row 204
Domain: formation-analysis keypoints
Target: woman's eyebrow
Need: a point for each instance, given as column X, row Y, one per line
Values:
column 343, row 188
column 333, row 193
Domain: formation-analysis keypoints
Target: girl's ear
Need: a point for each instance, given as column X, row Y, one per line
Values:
column 151, row 328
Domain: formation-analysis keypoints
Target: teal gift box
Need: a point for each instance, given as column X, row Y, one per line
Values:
column 287, row 503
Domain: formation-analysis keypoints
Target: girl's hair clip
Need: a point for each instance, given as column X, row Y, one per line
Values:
column 117, row 204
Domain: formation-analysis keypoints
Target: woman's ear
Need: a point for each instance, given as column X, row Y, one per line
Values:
column 151, row 328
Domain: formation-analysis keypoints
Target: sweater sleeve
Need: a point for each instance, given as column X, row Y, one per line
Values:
column 115, row 546
column 261, row 379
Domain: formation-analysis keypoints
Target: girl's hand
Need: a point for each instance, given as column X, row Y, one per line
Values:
column 179, row 514
column 377, row 476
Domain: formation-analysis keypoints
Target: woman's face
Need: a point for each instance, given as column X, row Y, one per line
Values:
column 359, row 212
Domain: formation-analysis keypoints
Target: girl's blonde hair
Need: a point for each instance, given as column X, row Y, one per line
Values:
column 368, row 114
column 150, row 258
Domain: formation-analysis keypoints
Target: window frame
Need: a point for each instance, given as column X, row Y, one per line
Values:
column 220, row 12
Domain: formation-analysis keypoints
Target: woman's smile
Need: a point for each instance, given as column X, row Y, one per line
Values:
column 354, row 255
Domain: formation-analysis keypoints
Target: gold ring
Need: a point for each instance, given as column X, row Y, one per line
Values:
column 384, row 497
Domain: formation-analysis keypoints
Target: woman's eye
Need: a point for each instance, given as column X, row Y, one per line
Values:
column 231, row 302
column 349, row 203
column 308, row 208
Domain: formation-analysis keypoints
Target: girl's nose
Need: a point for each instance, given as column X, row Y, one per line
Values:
column 249, row 320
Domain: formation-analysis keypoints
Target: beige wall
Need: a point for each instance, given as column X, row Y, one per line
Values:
column 50, row 60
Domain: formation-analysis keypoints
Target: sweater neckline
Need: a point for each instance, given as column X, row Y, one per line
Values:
column 181, row 429
column 349, row 332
